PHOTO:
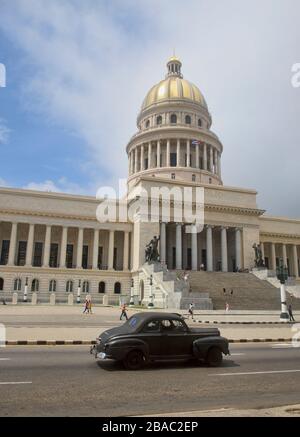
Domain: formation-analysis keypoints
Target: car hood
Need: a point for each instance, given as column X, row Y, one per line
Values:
column 207, row 332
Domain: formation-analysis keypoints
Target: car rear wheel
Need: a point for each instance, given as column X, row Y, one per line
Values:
column 134, row 360
column 214, row 357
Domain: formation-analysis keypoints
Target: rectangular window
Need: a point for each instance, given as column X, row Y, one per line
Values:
column 100, row 258
column 115, row 258
column 69, row 256
column 53, row 255
column 173, row 159
column 174, row 257
column 22, row 253
column 189, row 259
column 4, row 252
column 38, row 253
column 85, row 256
column 146, row 164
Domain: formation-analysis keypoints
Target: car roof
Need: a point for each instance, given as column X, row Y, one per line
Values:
column 144, row 316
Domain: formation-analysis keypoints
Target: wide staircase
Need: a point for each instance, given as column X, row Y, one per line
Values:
column 244, row 291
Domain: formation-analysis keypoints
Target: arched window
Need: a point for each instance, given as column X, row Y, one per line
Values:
column 52, row 286
column 199, row 122
column 147, row 124
column 101, row 287
column 1, row 284
column 193, row 178
column 188, row 119
column 35, row 285
column 159, row 120
column 174, row 118
column 69, row 286
column 17, row 284
column 86, row 287
column 117, row 288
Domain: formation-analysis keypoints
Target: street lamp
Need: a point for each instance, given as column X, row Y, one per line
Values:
column 79, row 291
column 131, row 303
column 282, row 275
column 150, row 303
column 25, row 291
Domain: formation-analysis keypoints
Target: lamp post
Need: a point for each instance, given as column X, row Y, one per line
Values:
column 79, row 291
column 131, row 303
column 25, row 291
column 282, row 275
column 150, row 303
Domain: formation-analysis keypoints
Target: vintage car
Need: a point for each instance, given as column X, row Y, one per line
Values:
column 153, row 336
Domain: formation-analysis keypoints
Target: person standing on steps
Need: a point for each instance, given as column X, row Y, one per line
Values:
column 191, row 310
column 123, row 312
column 290, row 310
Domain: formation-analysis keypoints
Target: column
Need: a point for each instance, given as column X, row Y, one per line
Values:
column 211, row 165
column 205, row 156
column 295, row 261
column 63, row 247
column 12, row 244
column 273, row 256
column 209, row 249
column 219, row 164
column 178, row 247
column 215, row 161
column 135, row 160
column 130, row 162
column 111, row 245
column 47, row 246
column 142, row 158
column 262, row 248
column 168, row 154
column 238, row 253
column 158, row 153
column 284, row 256
column 163, row 243
column 194, row 237
column 188, row 153
column 178, row 154
column 79, row 248
column 150, row 155
column 95, row 249
column 126, row 250
column 224, row 255
column 197, row 156
column 29, row 248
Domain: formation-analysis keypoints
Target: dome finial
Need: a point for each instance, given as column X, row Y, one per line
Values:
column 174, row 66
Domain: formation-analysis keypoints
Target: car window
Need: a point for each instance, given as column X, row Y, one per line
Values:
column 166, row 325
column 178, row 326
column 152, row 326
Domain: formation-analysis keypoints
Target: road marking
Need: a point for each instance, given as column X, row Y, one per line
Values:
column 282, row 345
column 4, row 359
column 235, row 355
column 254, row 373
column 15, row 383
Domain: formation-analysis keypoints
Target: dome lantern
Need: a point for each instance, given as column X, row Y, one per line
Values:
column 174, row 67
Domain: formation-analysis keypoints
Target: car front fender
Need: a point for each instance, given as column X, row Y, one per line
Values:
column 202, row 345
column 119, row 348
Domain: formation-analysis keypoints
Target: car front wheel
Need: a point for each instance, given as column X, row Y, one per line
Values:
column 214, row 357
column 134, row 360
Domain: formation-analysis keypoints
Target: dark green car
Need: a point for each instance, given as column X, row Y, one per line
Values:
column 155, row 336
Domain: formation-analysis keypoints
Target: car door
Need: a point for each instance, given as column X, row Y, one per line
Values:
column 150, row 334
column 175, row 340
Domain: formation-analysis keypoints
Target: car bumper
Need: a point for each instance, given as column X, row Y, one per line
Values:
column 100, row 355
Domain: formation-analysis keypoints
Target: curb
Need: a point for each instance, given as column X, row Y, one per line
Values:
column 245, row 323
column 89, row 343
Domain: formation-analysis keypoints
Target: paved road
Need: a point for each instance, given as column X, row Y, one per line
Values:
column 67, row 381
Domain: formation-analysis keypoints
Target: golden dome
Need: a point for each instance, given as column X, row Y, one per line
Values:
column 173, row 88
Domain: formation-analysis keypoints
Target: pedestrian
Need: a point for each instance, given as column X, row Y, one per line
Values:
column 290, row 310
column 86, row 306
column 123, row 312
column 191, row 310
column 185, row 276
column 231, row 292
column 227, row 307
column 90, row 305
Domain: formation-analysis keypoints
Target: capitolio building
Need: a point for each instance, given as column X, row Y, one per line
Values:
column 54, row 248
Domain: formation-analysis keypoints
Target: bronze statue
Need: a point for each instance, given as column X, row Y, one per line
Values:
column 259, row 261
column 151, row 252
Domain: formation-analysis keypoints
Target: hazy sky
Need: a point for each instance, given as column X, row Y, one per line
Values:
column 77, row 73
